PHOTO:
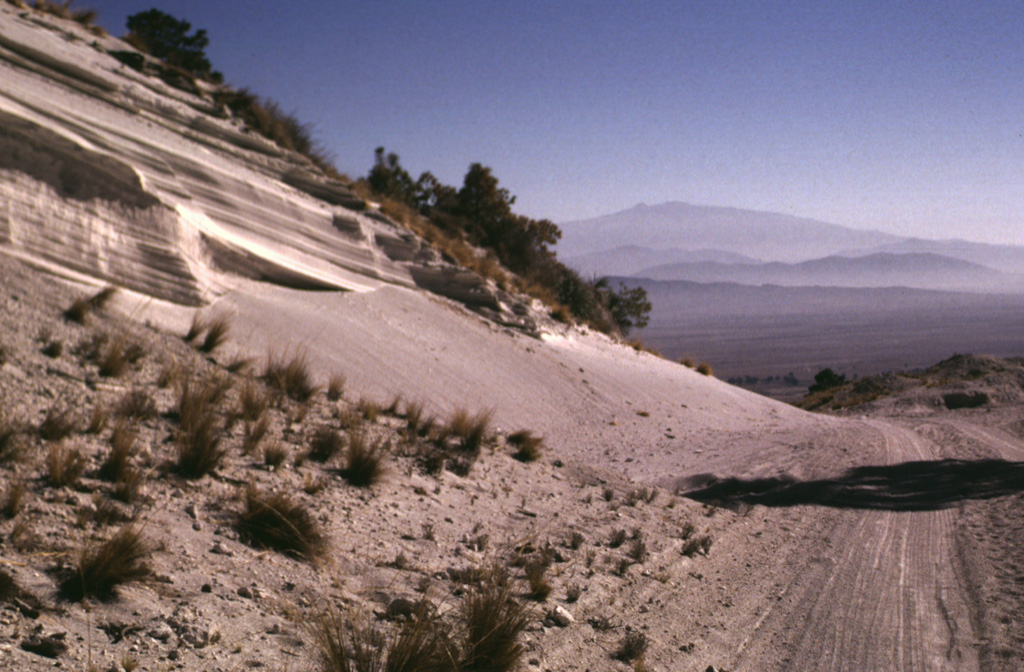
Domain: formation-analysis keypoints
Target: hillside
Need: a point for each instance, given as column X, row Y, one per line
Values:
column 917, row 270
column 289, row 420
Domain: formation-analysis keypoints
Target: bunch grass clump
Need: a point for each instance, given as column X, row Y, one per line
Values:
column 63, row 465
column 200, row 432
column 291, row 376
column 471, row 430
column 98, row 569
column 364, row 461
column 82, row 307
column 59, row 423
column 278, row 522
column 325, row 444
column 528, row 446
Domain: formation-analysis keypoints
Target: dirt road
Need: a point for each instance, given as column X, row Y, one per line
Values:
column 907, row 564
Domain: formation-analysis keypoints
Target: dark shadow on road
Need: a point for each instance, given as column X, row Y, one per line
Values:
column 909, row 486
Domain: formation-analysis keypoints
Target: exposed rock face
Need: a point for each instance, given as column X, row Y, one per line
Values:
column 151, row 187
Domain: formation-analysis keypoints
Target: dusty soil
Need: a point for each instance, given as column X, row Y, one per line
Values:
column 905, row 573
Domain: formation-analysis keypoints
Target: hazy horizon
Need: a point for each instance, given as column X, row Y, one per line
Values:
column 899, row 118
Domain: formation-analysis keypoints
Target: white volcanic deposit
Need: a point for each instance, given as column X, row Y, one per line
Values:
column 883, row 537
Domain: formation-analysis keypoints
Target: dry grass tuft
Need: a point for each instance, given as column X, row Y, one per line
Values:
column 199, row 432
column 292, row 376
column 336, row 386
column 137, row 404
column 536, row 577
column 325, row 444
column 14, row 495
column 632, row 647
column 63, row 465
column 80, row 310
column 254, row 433
column 618, row 538
column 346, row 644
column 59, row 423
column 117, row 464
column 99, row 569
column 369, row 409
column 275, row 455
column 253, row 401
column 470, row 429
column 701, row 544
column 494, row 621
column 704, row 368
column 278, row 522
column 196, row 329
column 216, row 333
column 11, row 438
column 98, row 419
column 364, row 462
column 528, row 446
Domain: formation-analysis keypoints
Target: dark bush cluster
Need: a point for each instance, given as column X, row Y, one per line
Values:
column 480, row 212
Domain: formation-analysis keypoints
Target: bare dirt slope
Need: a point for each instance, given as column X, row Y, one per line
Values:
column 885, row 538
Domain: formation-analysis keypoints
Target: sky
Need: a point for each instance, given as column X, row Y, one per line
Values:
column 901, row 116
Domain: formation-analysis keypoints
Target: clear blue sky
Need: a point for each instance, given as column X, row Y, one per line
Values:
column 902, row 116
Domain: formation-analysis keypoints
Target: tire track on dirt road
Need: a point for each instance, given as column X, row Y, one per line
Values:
column 890, row 595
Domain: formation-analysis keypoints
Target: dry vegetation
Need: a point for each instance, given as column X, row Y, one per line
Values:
column 107, row 483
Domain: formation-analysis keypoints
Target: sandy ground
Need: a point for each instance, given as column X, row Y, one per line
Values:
column 884, row 537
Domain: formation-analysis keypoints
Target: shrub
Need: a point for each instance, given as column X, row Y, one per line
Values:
column 291, row 377
column 280, row 523
column 826, row 379
column 632, row 646
column 704, row 369
column 99, row 569
column 168, row 39
column 528, row 446
column 364, row 462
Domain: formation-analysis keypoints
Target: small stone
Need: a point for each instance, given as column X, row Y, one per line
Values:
column 206, row 588
column 219, row 549
column 50, row 646
column 197, row 526
column 191, row 511
column 161, row 632
column 561, row 616
column 173, row 654
column 244, row 592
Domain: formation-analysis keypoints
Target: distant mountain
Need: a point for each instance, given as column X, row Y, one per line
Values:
column 760, row 235
column 1007, row 258
column 921, row 271
column 629, row 259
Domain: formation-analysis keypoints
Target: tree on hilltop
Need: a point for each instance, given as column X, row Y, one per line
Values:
column 168, row 39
